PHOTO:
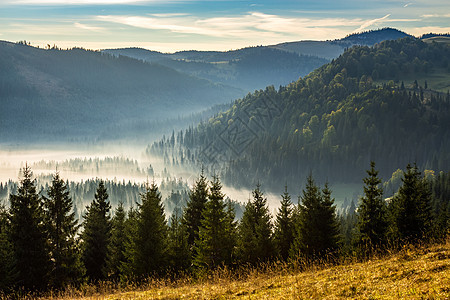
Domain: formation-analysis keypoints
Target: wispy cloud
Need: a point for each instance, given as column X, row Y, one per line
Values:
column 371, row 22
column 407, row 4
column 82, row 2
column 87, row 27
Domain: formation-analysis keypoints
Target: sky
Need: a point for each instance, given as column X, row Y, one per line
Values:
column 174, row 25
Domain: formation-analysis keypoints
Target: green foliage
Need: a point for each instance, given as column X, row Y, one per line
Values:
column 150, row 242
column 96, row 235
column 316, row 228
column 192, row 214
column 214, row 245
column 410, row 209
column 116, row 252
column 255, row 230
column 179, row 254
column 284, row 226
column 28, row 236
column 62, row 228
column 372, row 223
column 8, row 273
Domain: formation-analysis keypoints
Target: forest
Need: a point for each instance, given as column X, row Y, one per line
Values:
column 45, row 247
column 333, row 121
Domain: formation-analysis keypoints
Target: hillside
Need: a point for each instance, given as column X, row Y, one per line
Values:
column 247, row 69
column 334, row 121
column 411, row 274
column 55, row 93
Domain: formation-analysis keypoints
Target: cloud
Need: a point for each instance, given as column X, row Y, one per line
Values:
column 246, row 26
column 407, row 4
column 371, row 22
column 87, row 27
column 80, row 2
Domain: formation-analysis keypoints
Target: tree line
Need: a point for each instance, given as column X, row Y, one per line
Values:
column 42, row 245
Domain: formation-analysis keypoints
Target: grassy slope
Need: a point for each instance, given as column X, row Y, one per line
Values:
column 410, row 274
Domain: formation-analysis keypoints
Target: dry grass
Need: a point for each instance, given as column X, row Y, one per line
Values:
column 413, row 273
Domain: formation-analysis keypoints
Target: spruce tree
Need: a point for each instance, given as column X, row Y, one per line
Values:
column 213, row 248
column 8, row 272
column 96, row 235
column 284, row 231
column 27, row 233
column 116, row 251
column 178, row 248
column 255, row 230
column 62, row 227
column 151, row 235
column 316, row 228
column 410, row 209
column 192, row 214
column 372, row 223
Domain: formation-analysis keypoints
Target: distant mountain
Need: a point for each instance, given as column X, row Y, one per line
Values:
column 332, row 49
column 247, row 69
column 71, row 93
column 372, row 103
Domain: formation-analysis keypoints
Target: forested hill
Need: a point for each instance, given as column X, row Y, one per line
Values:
column 363, row 106
column 57, row 93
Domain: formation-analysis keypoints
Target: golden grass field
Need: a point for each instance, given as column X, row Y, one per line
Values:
column 412, row 273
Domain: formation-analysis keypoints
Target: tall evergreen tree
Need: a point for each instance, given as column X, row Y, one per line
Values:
column 7, row 262
column 62, row 227
column 178, row 248
column 212, row 248
column 27, row 233
column 116, row 253
column 192, row 215
column 97, row 234
column 255, row 230
column 316, row 229
column 151, row 235
column 410, row 209
column 284, row 230
column 372, row 223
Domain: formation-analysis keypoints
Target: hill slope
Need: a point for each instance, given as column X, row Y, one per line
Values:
column 333, row 122
column 410, row 274
column 58, row 93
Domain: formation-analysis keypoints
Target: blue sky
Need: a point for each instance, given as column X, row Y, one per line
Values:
column 173, row 25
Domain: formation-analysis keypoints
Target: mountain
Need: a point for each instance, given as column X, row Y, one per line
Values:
column 57, row 93
column 332, row 49
column 254, row 68
column 365, row 105
column 247, row 69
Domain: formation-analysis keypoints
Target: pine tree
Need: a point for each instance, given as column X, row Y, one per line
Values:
column 96, row 235
column 8, row 272
column 27, row 233
column 316, row 228
column 284, row 231
column 116, row 251
column 61, row 226
column 151, row 235
column 212, row 248
column 127, row 267
column 192, row 215
column 255, row 230
column 178, row 248
column 372, row 223
column 410, row 210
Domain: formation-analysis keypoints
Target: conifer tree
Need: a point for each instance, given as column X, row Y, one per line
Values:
column 62, row 227
column 151, row 235
column 410, row 209
column 372, row 223
column 127, row 268
column 316, row 229
column 255, row 230
column 284, row 231
column 212, row 248
column 117, row 244
column 192, row 215
column 7, row 262
column 178, row 248
column 96, row 235
column 27, row 233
